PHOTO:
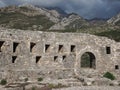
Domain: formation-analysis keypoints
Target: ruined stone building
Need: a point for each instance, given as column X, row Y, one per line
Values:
column 33, row 54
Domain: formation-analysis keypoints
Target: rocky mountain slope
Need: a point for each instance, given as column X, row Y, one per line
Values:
column 29, row 17
column 70, row 22
column 114, row 20
column 35, row 18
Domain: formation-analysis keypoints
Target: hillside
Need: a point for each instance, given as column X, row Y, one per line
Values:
column 36, row 18
column 115, row 20
column 29, row 17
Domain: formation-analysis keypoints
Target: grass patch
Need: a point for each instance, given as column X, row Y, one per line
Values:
column 109, row 76
column 26, row 79
column 18, row 20
column 3, row 82
column 40, row 79
column 111, row 34
column 33, row 88
column 59, row 85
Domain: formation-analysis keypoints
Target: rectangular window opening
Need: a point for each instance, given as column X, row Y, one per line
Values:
column 15, row 45
column 55, row 58
column 64, row 57
column 60, row 49
column 47, row 48
column 38, row 58
column 116, row 67
column 32, row 45
column 1, row 44
column 14, row 58
column 108, row 50
column 72, row 48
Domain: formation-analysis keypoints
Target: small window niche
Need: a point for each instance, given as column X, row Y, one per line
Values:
column 73, row 48
column 55, row 58
column 14, row 59
column 32, row 45
column 116, row 67
column 47, row 48
column 60, row 48
column 108, row 50
column 64, row 58
column 1, row 44
column 15, row 46
column 38, row 59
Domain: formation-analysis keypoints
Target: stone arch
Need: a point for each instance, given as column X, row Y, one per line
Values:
column 88, row 60
column 77, row 64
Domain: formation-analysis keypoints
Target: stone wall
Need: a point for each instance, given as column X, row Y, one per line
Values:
column 33, row 54
column 91, row 88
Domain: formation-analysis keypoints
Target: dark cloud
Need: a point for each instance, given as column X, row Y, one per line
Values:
column 86, row 8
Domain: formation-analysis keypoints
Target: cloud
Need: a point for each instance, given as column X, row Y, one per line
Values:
column 94, row 8
column 86, row 8
column 35, row 2
column 2, row 4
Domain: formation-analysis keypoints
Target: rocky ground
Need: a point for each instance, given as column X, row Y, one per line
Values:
column 64, row 84
column 91, row 88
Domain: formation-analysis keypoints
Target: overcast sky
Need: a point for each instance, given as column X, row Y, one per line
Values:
column 85, row 8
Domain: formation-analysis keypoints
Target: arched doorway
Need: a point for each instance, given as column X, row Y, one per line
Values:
column 88, row 60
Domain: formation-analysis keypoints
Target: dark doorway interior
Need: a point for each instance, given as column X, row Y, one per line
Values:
column 1, row 44
column 15, row 45
column 88, row 60
column 32, row 45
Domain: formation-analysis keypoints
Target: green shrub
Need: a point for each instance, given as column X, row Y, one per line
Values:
column 3, row 82
column 59, row 85
column 59, row 77
column 119, row 84
column 109, row 76
column 40, row 79
column 26, row 79
column 51, row 85
column 111, row 84
column 33, row 88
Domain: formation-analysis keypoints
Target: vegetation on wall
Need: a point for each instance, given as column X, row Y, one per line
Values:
column 109, row 76
column 3, row 82
column 40, row 79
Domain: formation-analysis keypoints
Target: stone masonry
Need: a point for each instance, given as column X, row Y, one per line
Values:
column 34, row 54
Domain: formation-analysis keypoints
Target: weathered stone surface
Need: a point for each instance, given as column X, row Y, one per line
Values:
column 114, row 20
column 64, row 22
column 10, row 88
column 34, row 54
column 91, row 88
column 53, row 15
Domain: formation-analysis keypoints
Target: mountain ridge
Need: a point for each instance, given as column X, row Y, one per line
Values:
column 29, row 17
column 115, row 20
column 52, row 15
